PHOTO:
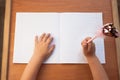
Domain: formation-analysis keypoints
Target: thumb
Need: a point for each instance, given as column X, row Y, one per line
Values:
column 51, row 49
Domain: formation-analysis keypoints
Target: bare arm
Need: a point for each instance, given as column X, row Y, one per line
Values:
column 97, row 69
column 41, row 51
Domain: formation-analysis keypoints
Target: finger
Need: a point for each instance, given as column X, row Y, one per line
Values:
column 42, row 36
column 49, row 40
column 51, row 49
column 46, row 37
column 36, row 40
column 93, row 45
column 84, row 42
column 90, row 46
column 88, row 38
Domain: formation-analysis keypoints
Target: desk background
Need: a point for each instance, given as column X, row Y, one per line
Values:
column 64, row 71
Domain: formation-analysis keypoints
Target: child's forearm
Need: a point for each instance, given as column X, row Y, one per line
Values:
column 32, row 69
column 41, row 51
column 97, row 69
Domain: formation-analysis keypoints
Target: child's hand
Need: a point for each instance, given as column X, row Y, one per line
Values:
column 42, row 46
column 88, row 48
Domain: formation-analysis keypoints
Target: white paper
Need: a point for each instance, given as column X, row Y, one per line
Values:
column 28, row 25
column 68, row 30
column 73, row 29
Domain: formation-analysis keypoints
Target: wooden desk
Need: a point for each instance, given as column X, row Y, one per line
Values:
column 62, row 71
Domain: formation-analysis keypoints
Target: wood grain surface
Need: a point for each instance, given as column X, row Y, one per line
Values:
column 64, row 71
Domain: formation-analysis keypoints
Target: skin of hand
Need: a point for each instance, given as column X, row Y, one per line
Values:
column 88, row 48
column 42, row 50
column 96, row 68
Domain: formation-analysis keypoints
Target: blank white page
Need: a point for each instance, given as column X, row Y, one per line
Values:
column 68, row 30
column 28, row 25
column 74, row 27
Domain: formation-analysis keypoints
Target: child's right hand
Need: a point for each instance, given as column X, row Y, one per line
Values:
column 88, row 48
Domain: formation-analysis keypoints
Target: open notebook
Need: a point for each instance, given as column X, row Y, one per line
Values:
column 68, row 30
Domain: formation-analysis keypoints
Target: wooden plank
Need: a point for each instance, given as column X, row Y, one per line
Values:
column 6, row 40
column 51, row 68
column 66, row 71
column 117, row 25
